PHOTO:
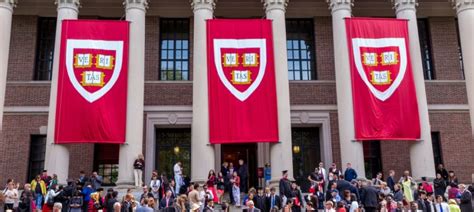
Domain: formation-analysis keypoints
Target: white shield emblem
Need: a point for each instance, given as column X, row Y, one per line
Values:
column 381, row 86
column 95, row 70
column 259, row 62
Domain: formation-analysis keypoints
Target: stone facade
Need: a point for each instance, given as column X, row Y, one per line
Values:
column 447, row 90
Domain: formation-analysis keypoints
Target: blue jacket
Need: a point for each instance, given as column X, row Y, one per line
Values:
column 350, row 174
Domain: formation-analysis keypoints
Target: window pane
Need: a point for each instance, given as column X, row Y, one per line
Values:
column 175, row 48
column 300, row 43
column 45, row 48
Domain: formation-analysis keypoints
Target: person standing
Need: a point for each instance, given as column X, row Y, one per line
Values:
column 273, row 200
column 193, row 196
column 138, row 166
column 155, row 185
column 167, row 201
column 46, row 178
column 39, row 189
column 336, row 172
column 466, row 199
column 439, row 185
column 244, row 175
column 285, row 187
column 86, row 195
column 350, row 173
column 440, row 205
column 82, row 178
column 236, row 188
column 322, row 172
column 267, row 170
column 211, row 184
column 178, row 175
column 391, row 180
column 10, row 195
column 369, row 197
column 96, row 181
column 443, row 172
column 407, row 182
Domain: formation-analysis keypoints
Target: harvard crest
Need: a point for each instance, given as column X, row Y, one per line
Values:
column 93, row 66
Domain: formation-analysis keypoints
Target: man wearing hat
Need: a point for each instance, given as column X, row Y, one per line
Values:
column 285, row 187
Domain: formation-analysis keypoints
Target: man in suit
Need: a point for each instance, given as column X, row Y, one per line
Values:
column 273, row 200
column 369, row 197
column 243, row 173
column 350, row 173
column 260, row 200
column 167, row 200
column 466, row 199
column 285, row 187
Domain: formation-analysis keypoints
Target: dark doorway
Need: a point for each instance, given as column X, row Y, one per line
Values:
column 248, row 152
column 306, row 154
column 372, row 158
column 37, row 155
column 173, row 145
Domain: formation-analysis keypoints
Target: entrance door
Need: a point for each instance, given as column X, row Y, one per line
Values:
column 232, row 153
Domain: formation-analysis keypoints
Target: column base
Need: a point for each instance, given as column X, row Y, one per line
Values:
column 125, row 184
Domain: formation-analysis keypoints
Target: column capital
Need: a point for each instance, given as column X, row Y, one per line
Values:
column 8, row 4
column 401, row 5
column 335, row 5
column 136, row 4
column 70, row 4
column 462, row 5
column 275, row 5
column 203, row 5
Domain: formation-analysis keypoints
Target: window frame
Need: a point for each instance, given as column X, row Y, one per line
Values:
column 302, row 29
column 45, row 33
column 184, row 57
column 426, row 49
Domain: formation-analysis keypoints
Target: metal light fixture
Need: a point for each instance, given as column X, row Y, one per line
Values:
column 296, row 149
column 176, row 150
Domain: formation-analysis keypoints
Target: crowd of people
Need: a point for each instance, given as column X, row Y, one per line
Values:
column 227, row 190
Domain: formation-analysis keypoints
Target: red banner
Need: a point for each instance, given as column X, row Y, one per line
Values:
column 241, row 81
column 92, row 85
column 383, row 91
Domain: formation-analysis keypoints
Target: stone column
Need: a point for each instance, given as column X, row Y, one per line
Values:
column 281, row 156
column 421, row 152
column 6, row 11
column 135, row 13
column 351, row 150
column 57, row 156
column 202, row 153
column 465, row 12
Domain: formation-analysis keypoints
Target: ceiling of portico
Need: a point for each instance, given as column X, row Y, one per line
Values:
column 233, row 8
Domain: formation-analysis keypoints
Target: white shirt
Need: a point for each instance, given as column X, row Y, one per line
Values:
column 10, row 196
column 323, row 172
column 443, row 205
column 354, row 206
column 155, row 185
column 177, row 169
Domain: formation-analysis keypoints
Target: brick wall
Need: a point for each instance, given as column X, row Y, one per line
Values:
column 336, row 147
column 27, row 94
column 324, row 48
column 456, row 142
column 446, row 92
column 312, row 92
column 15, row 142
column 21, row 60
column 444, row 40
column 169, row 93
column 396, row 156
column 152, row 47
